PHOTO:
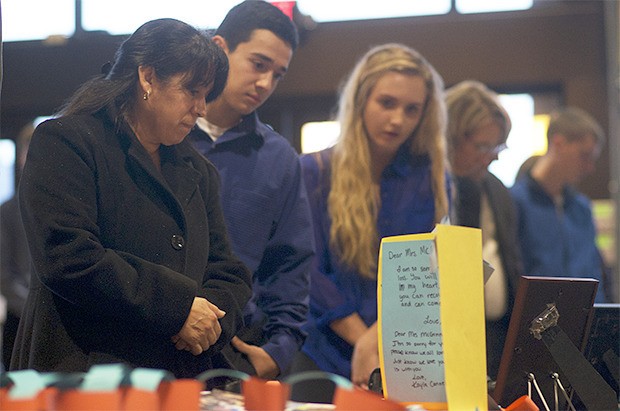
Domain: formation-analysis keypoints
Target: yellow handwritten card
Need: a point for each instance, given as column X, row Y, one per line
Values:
column 431, row 319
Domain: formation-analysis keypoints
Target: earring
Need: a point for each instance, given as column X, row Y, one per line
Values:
column 147, row 95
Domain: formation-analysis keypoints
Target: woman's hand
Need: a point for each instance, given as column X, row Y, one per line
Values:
column 365, row 357
column 201, row 329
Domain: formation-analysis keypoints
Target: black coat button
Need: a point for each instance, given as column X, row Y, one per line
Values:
column 177, row 241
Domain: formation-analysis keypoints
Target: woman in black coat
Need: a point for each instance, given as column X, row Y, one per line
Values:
column 131, row 257
column 478, row 127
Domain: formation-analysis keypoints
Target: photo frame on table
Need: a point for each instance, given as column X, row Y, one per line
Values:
column 524, row 355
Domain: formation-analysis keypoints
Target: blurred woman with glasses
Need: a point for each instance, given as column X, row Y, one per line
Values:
column 478, row 127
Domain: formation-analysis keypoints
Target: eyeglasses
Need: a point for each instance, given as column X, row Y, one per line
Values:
column 489, row 148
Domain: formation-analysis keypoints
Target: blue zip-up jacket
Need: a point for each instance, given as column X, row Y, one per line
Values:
column 268, row 218
column 554, row 243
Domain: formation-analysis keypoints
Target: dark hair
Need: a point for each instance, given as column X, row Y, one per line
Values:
column 170, row 47
column 250, row 15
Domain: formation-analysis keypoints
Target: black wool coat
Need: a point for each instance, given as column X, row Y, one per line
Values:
column 120, row 250
column 468, row 198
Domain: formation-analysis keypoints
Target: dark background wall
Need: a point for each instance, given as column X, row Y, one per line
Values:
column 558, row 45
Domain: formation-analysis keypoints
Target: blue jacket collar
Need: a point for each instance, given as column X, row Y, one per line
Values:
column 539, row 193
column 249, row 125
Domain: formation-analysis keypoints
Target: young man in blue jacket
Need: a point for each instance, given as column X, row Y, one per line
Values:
column 556, row 228
column 263, row 196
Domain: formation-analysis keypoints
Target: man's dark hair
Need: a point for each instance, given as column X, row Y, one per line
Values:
column 250, row 15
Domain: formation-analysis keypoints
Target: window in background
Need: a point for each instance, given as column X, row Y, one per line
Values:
column 36, row 20
column 341, row 10
column 485, row 6
column 98, row 15
column 8, row 157
column 527, row 137
column 604, row 214
column 104, row 15
column 317, row 135
column 7, row 169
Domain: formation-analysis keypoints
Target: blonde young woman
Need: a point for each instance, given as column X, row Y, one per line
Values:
column 386, row 175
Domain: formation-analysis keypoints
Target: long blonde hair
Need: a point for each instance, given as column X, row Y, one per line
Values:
column 353, row 201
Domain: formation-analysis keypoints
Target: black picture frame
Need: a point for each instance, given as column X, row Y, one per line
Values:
column 523, row 353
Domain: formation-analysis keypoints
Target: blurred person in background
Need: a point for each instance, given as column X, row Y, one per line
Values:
column 478, row 127
column 14, row 254
column 556, row 231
